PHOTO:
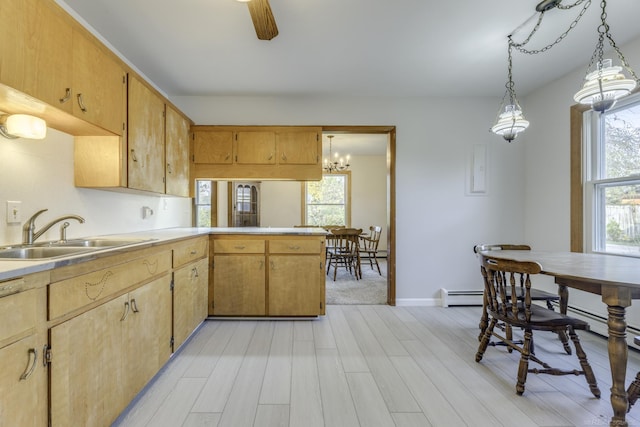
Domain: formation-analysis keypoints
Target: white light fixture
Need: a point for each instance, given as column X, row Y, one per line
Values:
column 22, row 126
column 606, row 84
column 510, row 121
column 335, row 163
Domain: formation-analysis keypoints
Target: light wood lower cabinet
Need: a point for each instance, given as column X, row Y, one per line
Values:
column 103, row 357
column 190, row 286
column 23, row 377
column 274, row 276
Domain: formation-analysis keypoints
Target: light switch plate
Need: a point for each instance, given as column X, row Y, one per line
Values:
column 14, row 212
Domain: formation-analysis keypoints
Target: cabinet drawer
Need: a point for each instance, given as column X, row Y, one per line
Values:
column 238, row 246
column 295, row 246
column 76, row 292
column 189, row 251
column 18, row 313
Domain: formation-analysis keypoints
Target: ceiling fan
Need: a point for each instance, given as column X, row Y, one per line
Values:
column 262, row 18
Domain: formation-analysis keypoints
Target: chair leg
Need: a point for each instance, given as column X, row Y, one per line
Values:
column 584, row 363
column 633, row 391
column 565, row 341
column 484, row 318
column 485, row 340
column 377, row 265
column 523, row 367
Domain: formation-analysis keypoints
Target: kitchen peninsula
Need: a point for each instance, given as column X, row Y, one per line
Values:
column 104, row 321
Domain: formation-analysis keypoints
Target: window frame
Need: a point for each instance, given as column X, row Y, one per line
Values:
column 347, row 198
column 586, row 184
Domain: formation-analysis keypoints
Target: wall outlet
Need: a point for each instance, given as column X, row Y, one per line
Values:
column 14, row 212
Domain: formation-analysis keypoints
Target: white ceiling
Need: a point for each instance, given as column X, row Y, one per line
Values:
column 348, row 47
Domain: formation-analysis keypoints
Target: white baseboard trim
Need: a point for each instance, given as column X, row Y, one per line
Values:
column 418, row 302
column 462, row 297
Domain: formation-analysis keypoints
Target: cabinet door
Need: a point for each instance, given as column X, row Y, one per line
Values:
column 24, row 401
column 146, row 138
column 299, row 147
column 177, row 149
column 147, row 339
column 35, row 51
column 213, row 147
column 295, row 285
column 99, row 85
column 238, row 285
column 189, row 299
column 255, row 148
column 86, row 368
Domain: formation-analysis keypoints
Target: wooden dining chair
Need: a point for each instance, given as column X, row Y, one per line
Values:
column 536, row 295
column 344, row 251
column 634, row 388
column 502, row 274
column 369, row 246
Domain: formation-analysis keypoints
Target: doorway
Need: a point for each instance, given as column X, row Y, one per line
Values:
column 390, row 131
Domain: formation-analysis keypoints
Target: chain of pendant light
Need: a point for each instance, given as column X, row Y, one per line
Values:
column 520, row 46
column 598, row 54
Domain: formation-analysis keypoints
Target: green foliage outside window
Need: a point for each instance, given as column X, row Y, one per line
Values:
column 326, row 200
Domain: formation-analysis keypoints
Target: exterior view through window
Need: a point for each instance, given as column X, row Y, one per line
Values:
column 203, row 203
column 613, row 182
column 326, row 200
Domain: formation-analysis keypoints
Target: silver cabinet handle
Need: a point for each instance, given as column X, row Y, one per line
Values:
column 193, row 252
column 134, row 306
column 126, row 311
column 194, row 273
column 81, row 103
column 240, row 247
column 228, row 155
column 133, row 155
column 169, row 170
column 67, row 96
column 29, row 370
column 284, row 156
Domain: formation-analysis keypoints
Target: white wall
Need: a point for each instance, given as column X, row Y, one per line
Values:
column 40, row 175
column 547, row 219
column 437, row 223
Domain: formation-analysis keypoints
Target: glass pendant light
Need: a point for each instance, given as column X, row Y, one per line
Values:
column 606, row 84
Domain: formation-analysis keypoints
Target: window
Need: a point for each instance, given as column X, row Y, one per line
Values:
column 612, row 179
column 326, row 202
column 202, row 203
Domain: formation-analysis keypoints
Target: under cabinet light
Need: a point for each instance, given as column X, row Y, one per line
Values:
column 22, row 126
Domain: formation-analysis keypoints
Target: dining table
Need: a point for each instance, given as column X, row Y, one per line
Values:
column 617, row 280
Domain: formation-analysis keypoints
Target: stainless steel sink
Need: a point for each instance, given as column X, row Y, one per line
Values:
column 49, row 250
column 40, row 252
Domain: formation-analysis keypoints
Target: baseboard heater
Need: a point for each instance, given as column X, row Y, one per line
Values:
column 598, row 324
column 452, row 298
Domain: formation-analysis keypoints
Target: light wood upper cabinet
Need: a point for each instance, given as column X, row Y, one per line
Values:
column 34, row 37
column 99, row 84
column 177, row 152
column 257, row 152
column 213, row 147
column 146, row 138
column 255, row 148
column 299, row 147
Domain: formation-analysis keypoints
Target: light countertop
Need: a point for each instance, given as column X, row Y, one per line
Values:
column 13, row 268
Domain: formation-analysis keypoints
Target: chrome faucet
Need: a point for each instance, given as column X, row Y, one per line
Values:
column 29, row 233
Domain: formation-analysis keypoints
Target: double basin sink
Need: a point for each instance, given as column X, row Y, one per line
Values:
column 65, row 248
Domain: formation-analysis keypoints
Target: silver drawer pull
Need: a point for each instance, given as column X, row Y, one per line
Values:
column 240, row 247
column 294, row 248
column 29, row 370
column 193, row 252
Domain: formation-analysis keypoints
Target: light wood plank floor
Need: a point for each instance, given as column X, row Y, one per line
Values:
column 367, row 365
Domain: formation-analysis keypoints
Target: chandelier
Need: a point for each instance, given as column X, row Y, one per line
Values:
column 335, row 163
column 604, row 82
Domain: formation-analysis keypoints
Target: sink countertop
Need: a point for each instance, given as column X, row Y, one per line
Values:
column 10, row 269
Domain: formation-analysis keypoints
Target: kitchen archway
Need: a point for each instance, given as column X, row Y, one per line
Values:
column 390, row 131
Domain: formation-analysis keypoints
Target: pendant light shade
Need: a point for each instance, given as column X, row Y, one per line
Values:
column 604, row 86
column 510, row 123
